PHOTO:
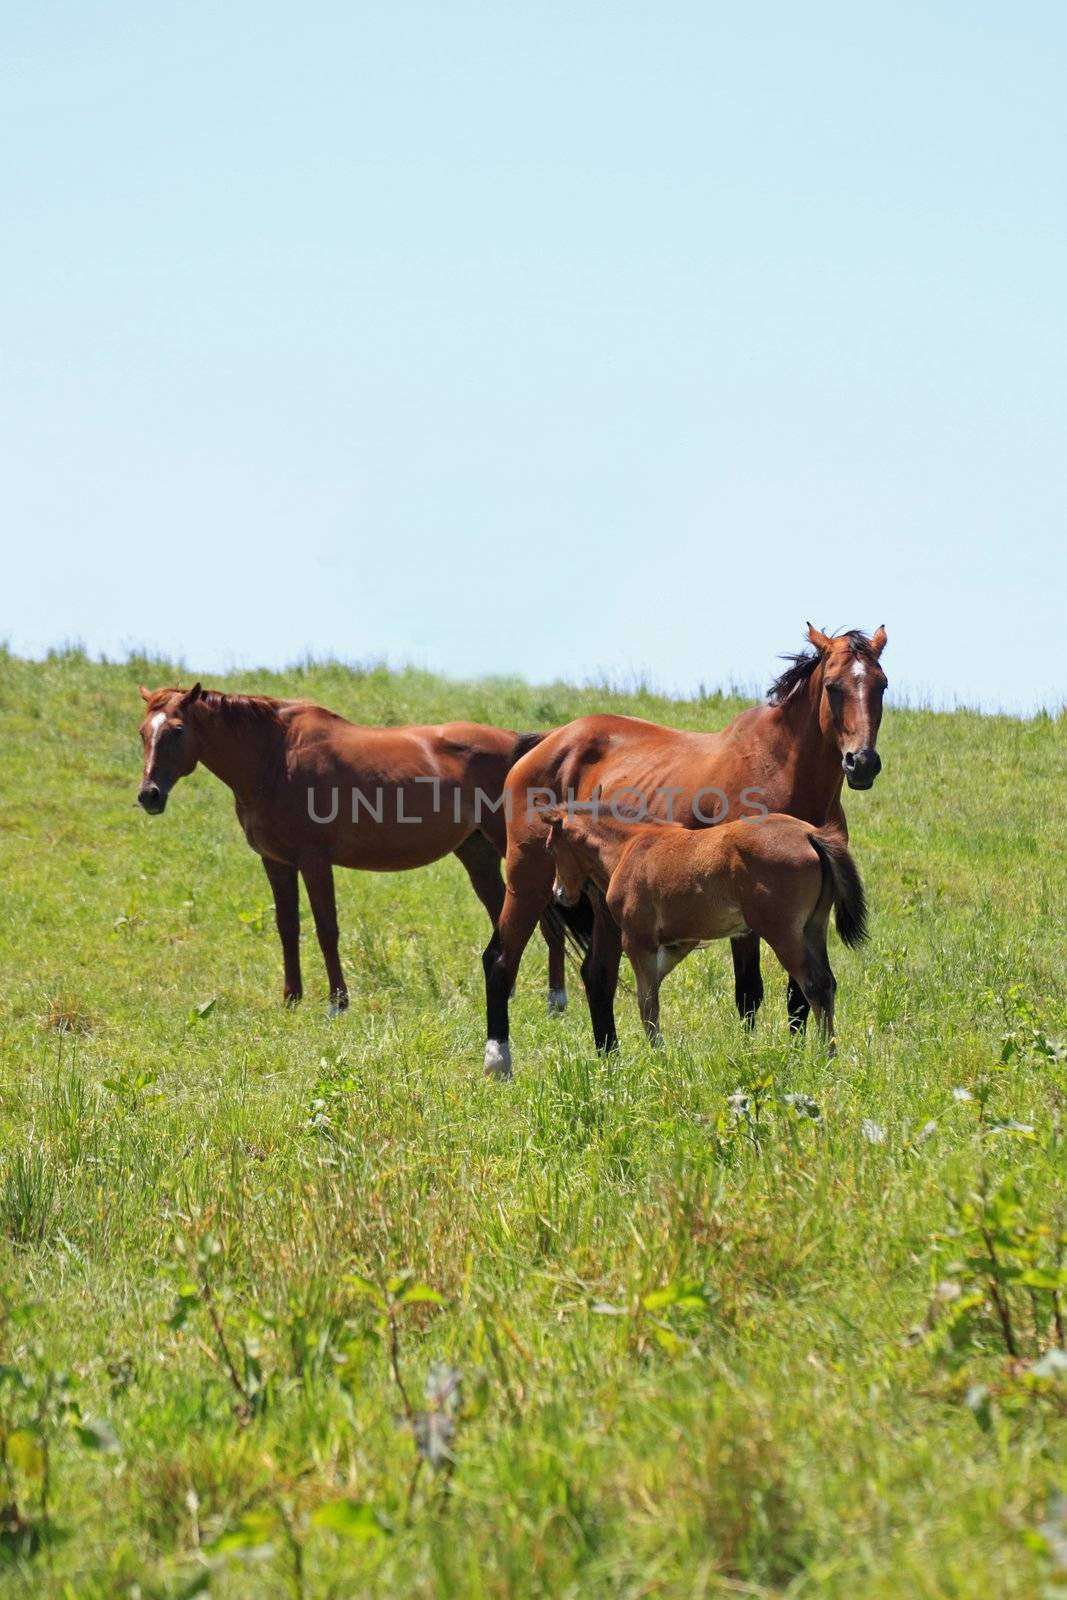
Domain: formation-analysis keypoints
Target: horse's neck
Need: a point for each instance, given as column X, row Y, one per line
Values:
column 810, row 767
column 238, row 751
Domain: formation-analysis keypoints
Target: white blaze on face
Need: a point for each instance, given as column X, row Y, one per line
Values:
column 157, row 722
column 859, row 672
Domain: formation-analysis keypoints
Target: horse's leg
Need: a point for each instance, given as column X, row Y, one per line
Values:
column 797, row 1006
column 647, row 967
column 556, row 940
column 748, row 983
column 799, row 994
column 821, row 990
column 805, row 959
column 600, row 974
column 285, row 884
column 523, row 906
column 317, row 873
column 482, row 863
column 818, row 982
column 481, row 859
column 668, row 956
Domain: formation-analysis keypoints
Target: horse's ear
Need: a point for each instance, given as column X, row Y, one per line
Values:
column 191, row 696
column 821, row 641
column 146, row 694
column 878, row 639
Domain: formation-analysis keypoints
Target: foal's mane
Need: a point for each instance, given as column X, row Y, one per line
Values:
column 803, row 664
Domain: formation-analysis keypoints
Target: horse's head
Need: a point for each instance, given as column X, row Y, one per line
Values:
column 571, row 874
column 170, row 744
column 850, row 684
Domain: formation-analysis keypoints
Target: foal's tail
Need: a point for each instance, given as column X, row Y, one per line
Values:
column 850, row 902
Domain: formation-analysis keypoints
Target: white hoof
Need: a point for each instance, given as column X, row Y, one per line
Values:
column 497, row 1059
column 337, row 1008
column 557, row 1001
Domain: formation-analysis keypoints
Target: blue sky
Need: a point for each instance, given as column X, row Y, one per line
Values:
column 568, row 340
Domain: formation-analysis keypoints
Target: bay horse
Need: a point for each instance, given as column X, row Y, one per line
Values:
column 817, row 730
column 314, row 792
column 671, row 890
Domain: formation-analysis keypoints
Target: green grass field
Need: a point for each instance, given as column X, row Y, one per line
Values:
column 709, row 1343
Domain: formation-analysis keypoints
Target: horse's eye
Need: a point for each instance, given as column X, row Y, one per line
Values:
column 833, row 689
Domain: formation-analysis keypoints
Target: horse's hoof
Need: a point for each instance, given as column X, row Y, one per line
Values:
column 557, row 1001
column 497, row 1059
column 338, row 1005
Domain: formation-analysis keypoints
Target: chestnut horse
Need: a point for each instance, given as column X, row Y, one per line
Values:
column 818, row 730
column 314, row 792
column 671, row 890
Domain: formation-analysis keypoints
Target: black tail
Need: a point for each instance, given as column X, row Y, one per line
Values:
column 850, row 902
column 577, row 920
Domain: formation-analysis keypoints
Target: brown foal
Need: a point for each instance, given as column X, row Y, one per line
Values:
column 671, row 890
column 314, row 792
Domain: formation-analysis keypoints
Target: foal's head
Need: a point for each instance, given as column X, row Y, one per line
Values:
column 843, row 676
column 170, row 744
column 572, row 874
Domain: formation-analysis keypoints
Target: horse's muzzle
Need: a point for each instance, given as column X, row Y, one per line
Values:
column 152, row 799
column 563, row 897
column 861, row 768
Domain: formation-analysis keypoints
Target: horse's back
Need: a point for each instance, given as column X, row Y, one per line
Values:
column 595, row 736
column 611, row 753
column 417, row 747
column 477, row 738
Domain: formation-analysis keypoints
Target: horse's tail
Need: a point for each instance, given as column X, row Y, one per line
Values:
column 842, row 876
column 576, row 920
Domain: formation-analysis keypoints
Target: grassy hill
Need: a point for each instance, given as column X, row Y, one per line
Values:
column 710, row 1343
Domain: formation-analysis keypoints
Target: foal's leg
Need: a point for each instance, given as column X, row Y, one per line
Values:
column 318, row 880
column 804, row 958
column 820, row 987
column 647, row 970
column 748, row 982
column 668, row 956
column 285, row 884
column 818, row 982
column 819, row 979
column 600, row 974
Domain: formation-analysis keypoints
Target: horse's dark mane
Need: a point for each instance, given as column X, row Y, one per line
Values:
column 803, row 664
column 233, row 708
column 242, row 707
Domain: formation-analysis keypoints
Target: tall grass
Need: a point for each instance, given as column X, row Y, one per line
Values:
column 722, row 1316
